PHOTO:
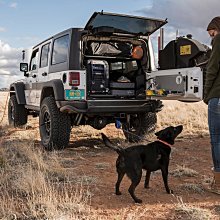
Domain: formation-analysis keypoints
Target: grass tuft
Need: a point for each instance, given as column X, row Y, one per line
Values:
column 195, row 188
column 190, row 212
column 102, row 166
column 183, row 171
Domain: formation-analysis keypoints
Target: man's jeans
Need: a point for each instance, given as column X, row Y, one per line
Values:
column 214, row 129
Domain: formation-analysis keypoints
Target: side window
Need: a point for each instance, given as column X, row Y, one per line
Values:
column 44, row 55
column 60, row 50
column 34, row 60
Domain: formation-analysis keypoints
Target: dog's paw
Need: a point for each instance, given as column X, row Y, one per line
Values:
column 118, row 193
column 138, row 201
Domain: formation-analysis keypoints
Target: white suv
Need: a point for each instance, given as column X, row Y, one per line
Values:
column 95, row 76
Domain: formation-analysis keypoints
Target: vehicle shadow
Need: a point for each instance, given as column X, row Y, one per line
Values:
column 92, row 143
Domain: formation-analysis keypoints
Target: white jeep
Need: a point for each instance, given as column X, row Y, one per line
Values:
column 94, row 76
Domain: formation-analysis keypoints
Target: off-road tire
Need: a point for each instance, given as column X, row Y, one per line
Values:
column 141, row 126
column 17, row 114
column 55, row 126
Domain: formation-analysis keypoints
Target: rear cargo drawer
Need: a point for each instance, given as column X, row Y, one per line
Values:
column 185, row 84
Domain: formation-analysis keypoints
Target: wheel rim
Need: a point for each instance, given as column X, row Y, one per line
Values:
column 135, row 125
column 136, row 130
column 131, row 130
column 47, row 122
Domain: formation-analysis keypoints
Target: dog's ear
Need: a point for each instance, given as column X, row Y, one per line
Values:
column 170, row 136
column 166, row 135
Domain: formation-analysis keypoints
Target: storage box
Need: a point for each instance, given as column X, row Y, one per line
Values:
column 127, row 92
column 122, row 85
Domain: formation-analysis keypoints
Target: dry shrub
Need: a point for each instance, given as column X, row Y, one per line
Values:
column 192, row 188
column 190, row 212
column 183, row 171
column 102, row 166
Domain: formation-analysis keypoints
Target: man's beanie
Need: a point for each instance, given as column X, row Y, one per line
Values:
column 214, row 24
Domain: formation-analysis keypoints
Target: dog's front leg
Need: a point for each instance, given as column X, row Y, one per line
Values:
column 147, row 179
column 164, row 171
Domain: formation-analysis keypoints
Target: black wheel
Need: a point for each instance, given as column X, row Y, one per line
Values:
column 55, row 126
column 17, row 114
column 140, row 126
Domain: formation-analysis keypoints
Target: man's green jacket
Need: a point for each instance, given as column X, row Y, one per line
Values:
column 212, row 80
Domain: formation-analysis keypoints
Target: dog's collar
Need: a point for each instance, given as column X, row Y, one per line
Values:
column 164, row 142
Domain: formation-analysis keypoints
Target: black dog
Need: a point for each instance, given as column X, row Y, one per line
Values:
column 151, row 157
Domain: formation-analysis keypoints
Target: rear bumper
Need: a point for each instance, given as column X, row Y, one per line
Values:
column 110, row 106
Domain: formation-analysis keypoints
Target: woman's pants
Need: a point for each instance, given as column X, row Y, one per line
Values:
column 214, row 129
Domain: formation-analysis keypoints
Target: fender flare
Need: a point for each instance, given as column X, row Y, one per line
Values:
column 19, row 89
column 58, row 89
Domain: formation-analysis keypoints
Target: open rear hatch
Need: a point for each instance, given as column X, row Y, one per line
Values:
column 116, row 55
column 123, row 24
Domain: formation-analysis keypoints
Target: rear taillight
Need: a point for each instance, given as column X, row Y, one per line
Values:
column 74, row 78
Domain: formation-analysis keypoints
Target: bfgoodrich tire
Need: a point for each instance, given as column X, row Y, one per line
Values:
column 17, row 114
column 55, row 126
column 141, row 125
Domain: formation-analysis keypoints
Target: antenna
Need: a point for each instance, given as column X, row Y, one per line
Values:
column 161, row 38
column 23, row 55
column 177, row 33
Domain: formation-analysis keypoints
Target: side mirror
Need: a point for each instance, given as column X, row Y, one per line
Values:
column 24, row 68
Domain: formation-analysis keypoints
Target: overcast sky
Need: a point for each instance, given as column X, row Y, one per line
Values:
column 24, row 23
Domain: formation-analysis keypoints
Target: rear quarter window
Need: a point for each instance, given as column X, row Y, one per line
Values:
column 60, row 50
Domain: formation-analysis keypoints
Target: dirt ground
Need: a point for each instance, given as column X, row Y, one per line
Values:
column 89, row 163
column 89, row 158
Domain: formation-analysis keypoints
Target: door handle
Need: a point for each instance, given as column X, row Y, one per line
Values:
column 44, row 74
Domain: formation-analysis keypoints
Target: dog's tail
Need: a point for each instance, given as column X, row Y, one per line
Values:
column 109, row 144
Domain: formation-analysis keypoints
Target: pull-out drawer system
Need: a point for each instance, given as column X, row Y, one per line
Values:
column 185, row 84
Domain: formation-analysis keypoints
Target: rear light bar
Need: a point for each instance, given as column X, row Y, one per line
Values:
column 74, row 78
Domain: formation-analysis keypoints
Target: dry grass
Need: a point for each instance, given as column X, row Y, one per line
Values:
column 31, row 187
column 102, row 166
column 192, row 188
column 193, row 117
column 190, row 212
column 138, row 213
column 183, row 171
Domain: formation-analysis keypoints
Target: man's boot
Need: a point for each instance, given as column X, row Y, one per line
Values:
column 215, row 188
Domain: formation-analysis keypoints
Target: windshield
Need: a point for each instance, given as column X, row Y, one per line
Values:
column 124, row 23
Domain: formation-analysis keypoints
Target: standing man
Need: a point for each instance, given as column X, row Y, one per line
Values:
column 212, row 98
